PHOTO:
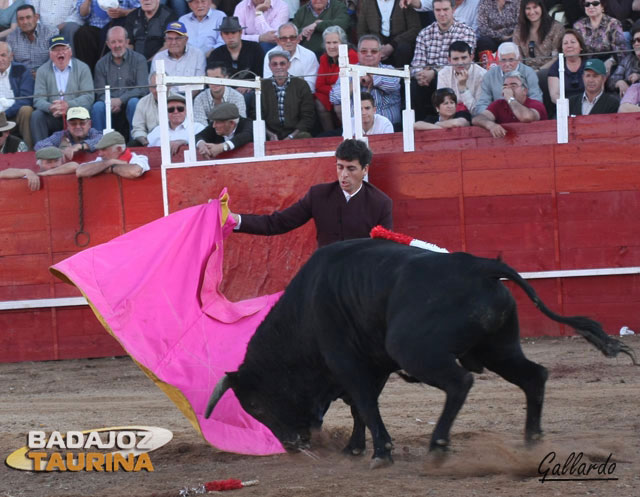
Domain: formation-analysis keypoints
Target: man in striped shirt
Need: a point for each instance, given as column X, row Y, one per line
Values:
column 432, row 51
column 30, row 42
column 385, row 89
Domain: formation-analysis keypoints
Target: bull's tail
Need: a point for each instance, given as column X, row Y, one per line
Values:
column 588, row 328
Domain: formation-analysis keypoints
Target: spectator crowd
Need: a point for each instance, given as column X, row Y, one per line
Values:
column 473, row 62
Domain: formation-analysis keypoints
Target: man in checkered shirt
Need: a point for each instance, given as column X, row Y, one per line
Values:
column 432, row 50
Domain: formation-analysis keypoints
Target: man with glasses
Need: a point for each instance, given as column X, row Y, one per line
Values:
column 61, row 84
column 180, row 58
column 385, row 89
column 514, row 106
column 287, row 103
column 178, row 132
column 508, row 60
column 78, row 137
column 303, row 62
column 628, row 71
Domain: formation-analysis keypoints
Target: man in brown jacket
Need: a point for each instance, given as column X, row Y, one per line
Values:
column 398, row 29
column 345, row 209
column 287, row 102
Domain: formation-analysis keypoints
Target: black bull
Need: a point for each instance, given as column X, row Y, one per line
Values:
column 361, row 309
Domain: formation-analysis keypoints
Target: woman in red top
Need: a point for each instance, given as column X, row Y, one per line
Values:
column 332, row 38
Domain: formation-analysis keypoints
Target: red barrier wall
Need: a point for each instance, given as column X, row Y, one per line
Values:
column 539, row 205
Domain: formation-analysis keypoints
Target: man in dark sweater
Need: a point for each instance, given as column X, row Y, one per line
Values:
column 243, row 57
column 345, row 209
column 145, row 27
column 227, row 131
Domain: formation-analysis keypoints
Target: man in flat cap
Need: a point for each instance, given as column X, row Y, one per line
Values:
column 50, row 161
column 79, row 136
column 227, row 131
column 114, row 158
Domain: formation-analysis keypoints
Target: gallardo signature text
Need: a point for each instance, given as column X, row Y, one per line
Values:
column 573, row 468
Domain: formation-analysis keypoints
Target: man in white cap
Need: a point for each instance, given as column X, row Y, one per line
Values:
column 78, row 137
column 9, row 144
column 114, row 159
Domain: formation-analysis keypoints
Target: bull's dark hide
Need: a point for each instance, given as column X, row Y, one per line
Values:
column 361, row 309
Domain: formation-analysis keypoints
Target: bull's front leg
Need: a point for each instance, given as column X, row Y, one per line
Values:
column 357, row 443
column 365, row 412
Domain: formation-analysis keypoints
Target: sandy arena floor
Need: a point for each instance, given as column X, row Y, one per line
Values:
column 592, row 406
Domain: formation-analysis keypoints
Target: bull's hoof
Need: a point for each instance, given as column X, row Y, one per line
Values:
column 353, row 451
column 533, row 439
column 440, row 446
column 380, row 462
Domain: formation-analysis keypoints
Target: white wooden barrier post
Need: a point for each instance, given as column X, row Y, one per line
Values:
column 345, row 94
column 107, row 109
column 408, row 115
column 259, row 133
column 562, row 106
column 356, row 76
column 163, row 119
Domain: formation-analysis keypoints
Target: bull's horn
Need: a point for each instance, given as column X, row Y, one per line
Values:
column 223, row 385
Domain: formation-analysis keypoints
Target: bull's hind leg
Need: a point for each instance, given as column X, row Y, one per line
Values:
column 456, row 383
column 513, row 366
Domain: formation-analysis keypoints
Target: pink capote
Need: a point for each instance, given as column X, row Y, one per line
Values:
column 156, row 290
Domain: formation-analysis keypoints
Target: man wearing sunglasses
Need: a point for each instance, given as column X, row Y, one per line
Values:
column 178, row 133
column 304, row 62
column 628, row 71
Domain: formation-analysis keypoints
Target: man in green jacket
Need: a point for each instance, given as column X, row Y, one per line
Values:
column 316, row 16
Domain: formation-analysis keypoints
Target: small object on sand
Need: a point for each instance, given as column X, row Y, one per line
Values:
column 230, row 484
column 626, row 331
